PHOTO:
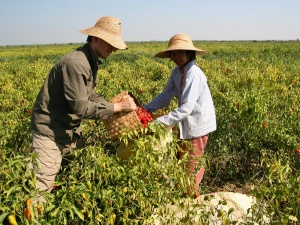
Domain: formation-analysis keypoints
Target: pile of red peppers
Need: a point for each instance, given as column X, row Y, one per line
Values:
column 144, row 116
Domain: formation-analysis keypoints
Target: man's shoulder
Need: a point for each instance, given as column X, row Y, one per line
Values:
column 76, row 54
column 74, row 57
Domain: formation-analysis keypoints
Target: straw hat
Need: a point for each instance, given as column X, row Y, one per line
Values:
column 179, row 42
column 108, row 28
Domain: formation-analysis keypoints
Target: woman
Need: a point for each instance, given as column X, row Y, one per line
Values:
column 195, row 113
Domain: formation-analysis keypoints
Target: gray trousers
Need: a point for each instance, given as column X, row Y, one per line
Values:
column 50, row 156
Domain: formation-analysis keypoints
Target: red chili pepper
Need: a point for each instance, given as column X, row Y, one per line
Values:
column 144, row 116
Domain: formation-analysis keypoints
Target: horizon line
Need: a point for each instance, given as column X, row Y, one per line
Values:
column 77, row 43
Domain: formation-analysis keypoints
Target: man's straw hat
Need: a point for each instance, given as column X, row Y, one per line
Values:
column 108, row 28
column 179, row 42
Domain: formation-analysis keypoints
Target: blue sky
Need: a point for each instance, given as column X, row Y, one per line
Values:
column 25, row 22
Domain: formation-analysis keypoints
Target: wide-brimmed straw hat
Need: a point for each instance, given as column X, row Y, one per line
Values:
column 108, row 28
column 179, row 42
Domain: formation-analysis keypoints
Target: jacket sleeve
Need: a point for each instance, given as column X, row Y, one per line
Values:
column 78, row 90
column 163, row 99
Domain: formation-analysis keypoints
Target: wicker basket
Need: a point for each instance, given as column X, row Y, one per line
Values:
column 122, row 120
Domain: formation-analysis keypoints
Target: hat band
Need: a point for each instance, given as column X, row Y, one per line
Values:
column 179, row 39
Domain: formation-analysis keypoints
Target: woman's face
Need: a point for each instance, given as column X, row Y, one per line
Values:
column 179, row 57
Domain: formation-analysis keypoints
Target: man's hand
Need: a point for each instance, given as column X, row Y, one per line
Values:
column 126, row 104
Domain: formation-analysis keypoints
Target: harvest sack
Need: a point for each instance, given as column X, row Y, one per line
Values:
column 213, row 204
column 125, row 151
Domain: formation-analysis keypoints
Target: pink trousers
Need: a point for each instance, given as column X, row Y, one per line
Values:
column 196, row 151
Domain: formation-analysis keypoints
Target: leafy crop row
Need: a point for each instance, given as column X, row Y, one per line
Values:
column 255, row 87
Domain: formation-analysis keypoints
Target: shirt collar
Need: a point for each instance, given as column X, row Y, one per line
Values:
column 187, row 66
column 93, row 61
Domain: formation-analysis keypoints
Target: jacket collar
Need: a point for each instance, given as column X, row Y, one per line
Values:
column 91, row 57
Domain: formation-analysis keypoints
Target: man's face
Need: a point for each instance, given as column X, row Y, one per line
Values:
column 103, row 49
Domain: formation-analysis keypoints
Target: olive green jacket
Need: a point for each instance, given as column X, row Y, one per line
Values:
column 68, row 96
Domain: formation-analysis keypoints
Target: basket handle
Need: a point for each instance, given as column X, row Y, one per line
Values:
column 134, row 98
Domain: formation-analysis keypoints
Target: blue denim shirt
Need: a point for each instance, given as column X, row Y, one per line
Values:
column 195, row 113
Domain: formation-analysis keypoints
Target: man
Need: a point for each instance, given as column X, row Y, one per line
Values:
column 67, row 97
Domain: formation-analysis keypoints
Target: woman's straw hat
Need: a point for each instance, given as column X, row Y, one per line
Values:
column 108, row 28
column 179, row 42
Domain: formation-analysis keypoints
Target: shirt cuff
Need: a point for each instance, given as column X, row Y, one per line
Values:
column 110, row 108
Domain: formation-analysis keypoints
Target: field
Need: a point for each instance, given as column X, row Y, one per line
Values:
column 255, row 150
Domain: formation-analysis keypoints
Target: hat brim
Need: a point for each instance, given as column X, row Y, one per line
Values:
column 115, row 41
column 166, row 53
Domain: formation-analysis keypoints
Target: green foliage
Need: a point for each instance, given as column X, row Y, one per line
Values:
column 281, row 189
column 255, row 87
